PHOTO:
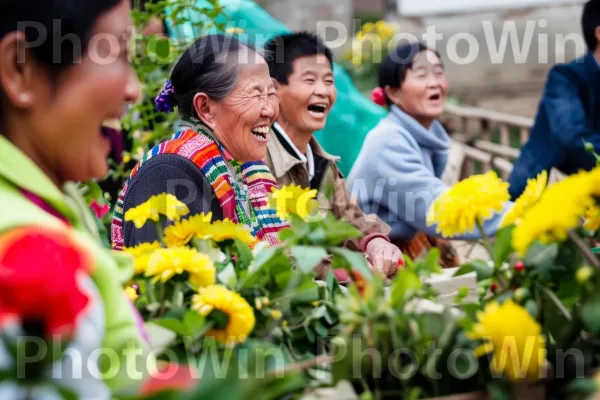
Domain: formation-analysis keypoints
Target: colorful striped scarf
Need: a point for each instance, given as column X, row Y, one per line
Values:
column 196, row 143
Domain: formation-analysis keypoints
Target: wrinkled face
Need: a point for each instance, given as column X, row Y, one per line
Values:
column 242, row 120
column 65, row 114
column 308, row 97
column 423, row 92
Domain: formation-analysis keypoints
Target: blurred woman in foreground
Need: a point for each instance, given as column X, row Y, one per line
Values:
column 55, row 97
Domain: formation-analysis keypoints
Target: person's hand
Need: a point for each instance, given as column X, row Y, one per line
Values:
column 383, row 256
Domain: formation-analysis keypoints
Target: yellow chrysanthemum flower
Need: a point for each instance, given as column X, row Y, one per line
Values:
column 293, row 199
column 162, row 204
column 514, row 338
column 368, row 27
column 530, row 196
column 180, row 233
column 559, row 210
column 141, row 255
column 229, row 230
column 468, row 203
column 131, row 293
column 592, row 218
column 222, row 302
column 166, row 263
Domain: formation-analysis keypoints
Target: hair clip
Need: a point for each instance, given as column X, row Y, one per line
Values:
column 165, row 101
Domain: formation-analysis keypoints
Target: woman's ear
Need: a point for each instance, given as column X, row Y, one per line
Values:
column 205, row 109
column 392, row 93
column 17, row 70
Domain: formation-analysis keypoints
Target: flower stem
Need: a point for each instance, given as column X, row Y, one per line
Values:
column 159, row 231
column 162, row 300
column 177, row 295
column 150, row 291
column 589, row 255
column 561, row 307
column 485, row 240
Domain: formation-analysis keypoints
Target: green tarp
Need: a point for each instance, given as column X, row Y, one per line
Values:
column 353, row 114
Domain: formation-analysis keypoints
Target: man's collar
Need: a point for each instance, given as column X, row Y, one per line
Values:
column 283, row 161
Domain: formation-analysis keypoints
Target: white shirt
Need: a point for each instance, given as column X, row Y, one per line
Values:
column 308, row 159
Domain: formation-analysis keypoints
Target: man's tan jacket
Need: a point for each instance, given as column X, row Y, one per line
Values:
column 332, row 195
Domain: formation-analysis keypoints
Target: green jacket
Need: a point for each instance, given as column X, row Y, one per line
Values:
column 111, row 271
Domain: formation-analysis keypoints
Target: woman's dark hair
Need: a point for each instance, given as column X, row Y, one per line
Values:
column 57, row 31
column 392, row 70
column 210, row 65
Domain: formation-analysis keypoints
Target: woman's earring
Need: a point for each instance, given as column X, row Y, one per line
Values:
column 25, row 97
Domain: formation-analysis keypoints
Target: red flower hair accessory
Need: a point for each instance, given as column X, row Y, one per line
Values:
column 378, row 96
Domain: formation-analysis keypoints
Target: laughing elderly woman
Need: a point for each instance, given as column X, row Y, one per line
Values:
column 224, row 93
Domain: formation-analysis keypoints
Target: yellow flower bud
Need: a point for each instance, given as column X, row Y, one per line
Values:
column 284, row 323
column 315, row 304
column 584, row 274
column 131, row 293
column 276, row 314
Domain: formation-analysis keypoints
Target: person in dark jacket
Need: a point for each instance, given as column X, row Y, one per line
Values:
column 568, row 114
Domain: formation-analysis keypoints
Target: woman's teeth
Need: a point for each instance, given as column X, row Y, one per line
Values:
column 261, row 133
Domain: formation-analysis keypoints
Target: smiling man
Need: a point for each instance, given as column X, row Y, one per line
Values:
column 301, row 67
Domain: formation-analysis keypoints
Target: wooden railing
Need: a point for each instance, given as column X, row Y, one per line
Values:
column 485, row 140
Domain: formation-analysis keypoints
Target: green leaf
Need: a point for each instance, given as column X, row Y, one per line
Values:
column 67, row 394
column 331, row 283
column 499, row 391
column 307, row 295
column 481, row 268
column 531, row 307
column 583, row 386
column 317, row 237
column 432, row 264
column 406, row 280
column 307, row 257
column 320, row 329
column 340, row 231
column 319, row 312
column 356, row 260
column 261, row 262
column 228, row 276
column 286, row 235
column 194, row 323
column 590, row 313
column 172, row 324
column 541, row 258
column 160, row 337
column 310, row 333
column 244, row 254
column 503, row 245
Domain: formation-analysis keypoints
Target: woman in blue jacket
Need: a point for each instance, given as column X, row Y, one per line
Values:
column 397, row 174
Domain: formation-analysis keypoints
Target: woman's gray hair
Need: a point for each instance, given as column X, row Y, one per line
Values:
column 211, row 66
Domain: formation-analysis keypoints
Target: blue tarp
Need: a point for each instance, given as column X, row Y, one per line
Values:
column 353, row 114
